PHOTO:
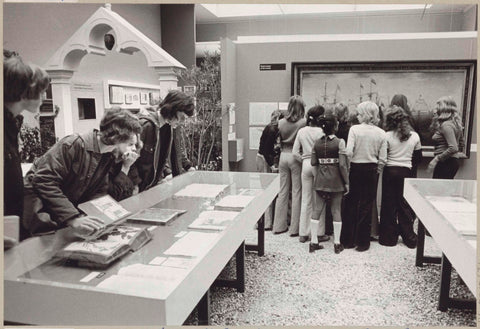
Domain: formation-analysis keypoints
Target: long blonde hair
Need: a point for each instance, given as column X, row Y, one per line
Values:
column 296, row 109
column 446, row 109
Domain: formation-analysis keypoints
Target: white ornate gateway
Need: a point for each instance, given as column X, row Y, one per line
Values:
column 90, row 39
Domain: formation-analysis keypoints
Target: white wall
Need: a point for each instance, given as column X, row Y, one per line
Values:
column 335, row 24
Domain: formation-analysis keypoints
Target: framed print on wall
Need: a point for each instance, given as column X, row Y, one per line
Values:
column 128, row 98
column 154, row 98
column 116, row 95
column 143, row 98
column 423, row 83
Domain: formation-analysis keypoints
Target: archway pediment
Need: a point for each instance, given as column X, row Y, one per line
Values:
column 89, row 39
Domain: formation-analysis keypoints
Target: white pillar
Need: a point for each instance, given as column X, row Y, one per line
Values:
column 62, row 97
column 167, row 78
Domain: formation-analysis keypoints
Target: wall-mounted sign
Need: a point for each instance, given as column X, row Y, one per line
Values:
column 273, row 67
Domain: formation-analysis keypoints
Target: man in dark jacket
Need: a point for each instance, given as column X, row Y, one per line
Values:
column 75, row 170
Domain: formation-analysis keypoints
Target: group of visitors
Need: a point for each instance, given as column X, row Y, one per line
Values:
column 126, row 155
column 331, row 160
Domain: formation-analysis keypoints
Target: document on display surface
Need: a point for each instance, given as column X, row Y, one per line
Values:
column 459, row 212
column 201, row 190
column 193, row 244
column 156, row 216
column 213, row 220
column 234, row 202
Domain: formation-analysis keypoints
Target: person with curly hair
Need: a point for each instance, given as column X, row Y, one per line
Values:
column 448, row 139
column 23, row 88
column 75, row 170
column 402, row 143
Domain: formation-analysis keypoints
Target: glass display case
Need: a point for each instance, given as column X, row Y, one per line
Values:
column 448, row 210
column 138, row 289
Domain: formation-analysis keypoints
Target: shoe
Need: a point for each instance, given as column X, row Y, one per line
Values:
column 268, row 228
column 338, row 248
column 387, row 244
column 294, row 235
column 323, row 238
column 362, row 248
column 304, row 239
column 349, row 246
column 411, row 243
column 280, row 232
column 314, row 246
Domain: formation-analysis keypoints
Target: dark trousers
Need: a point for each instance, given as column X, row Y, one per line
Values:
column 446, row 169
column 359, row 201
column 395, row 216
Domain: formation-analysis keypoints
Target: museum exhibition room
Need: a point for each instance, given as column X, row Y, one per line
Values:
column 240, row 164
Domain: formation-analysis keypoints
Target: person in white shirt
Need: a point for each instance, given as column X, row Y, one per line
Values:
column 302, row 151
column 367, row 151
column 402, row 143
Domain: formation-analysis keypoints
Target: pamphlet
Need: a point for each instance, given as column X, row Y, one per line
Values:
column 193, row 244
column 213, row 220
column 234, row 202
column 156, row 216
column 201, row 190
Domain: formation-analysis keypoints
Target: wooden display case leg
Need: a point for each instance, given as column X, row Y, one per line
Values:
column 203, row 309
column 444, row 296
column 260, row 246
column 420, row 258
column 239, row 282
column 240, row 262
column 445, row 301
column 420, row 244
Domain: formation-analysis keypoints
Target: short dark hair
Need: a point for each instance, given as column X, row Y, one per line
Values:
column 118, row 125
column 22, row 81
column 313, row 115
column 176, row 101
column 328, row 123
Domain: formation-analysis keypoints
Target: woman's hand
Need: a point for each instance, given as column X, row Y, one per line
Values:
column 86, row 225
column 129, row 159
column 347, row 189
column 432, row 165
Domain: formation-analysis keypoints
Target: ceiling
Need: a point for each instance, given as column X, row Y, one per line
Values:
column 224, row 13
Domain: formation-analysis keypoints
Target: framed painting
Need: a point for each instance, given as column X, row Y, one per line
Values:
column 116, row 95
column 423, row 83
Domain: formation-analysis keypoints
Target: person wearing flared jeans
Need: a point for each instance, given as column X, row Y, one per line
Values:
column 308, row 179
column 290, row 178
column 357, row 222
column 394, row 207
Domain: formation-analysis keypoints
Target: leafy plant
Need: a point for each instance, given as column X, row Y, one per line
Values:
column 30, row 144
column 203, row 140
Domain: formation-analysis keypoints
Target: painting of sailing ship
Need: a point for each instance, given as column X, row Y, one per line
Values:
column 423, row 85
